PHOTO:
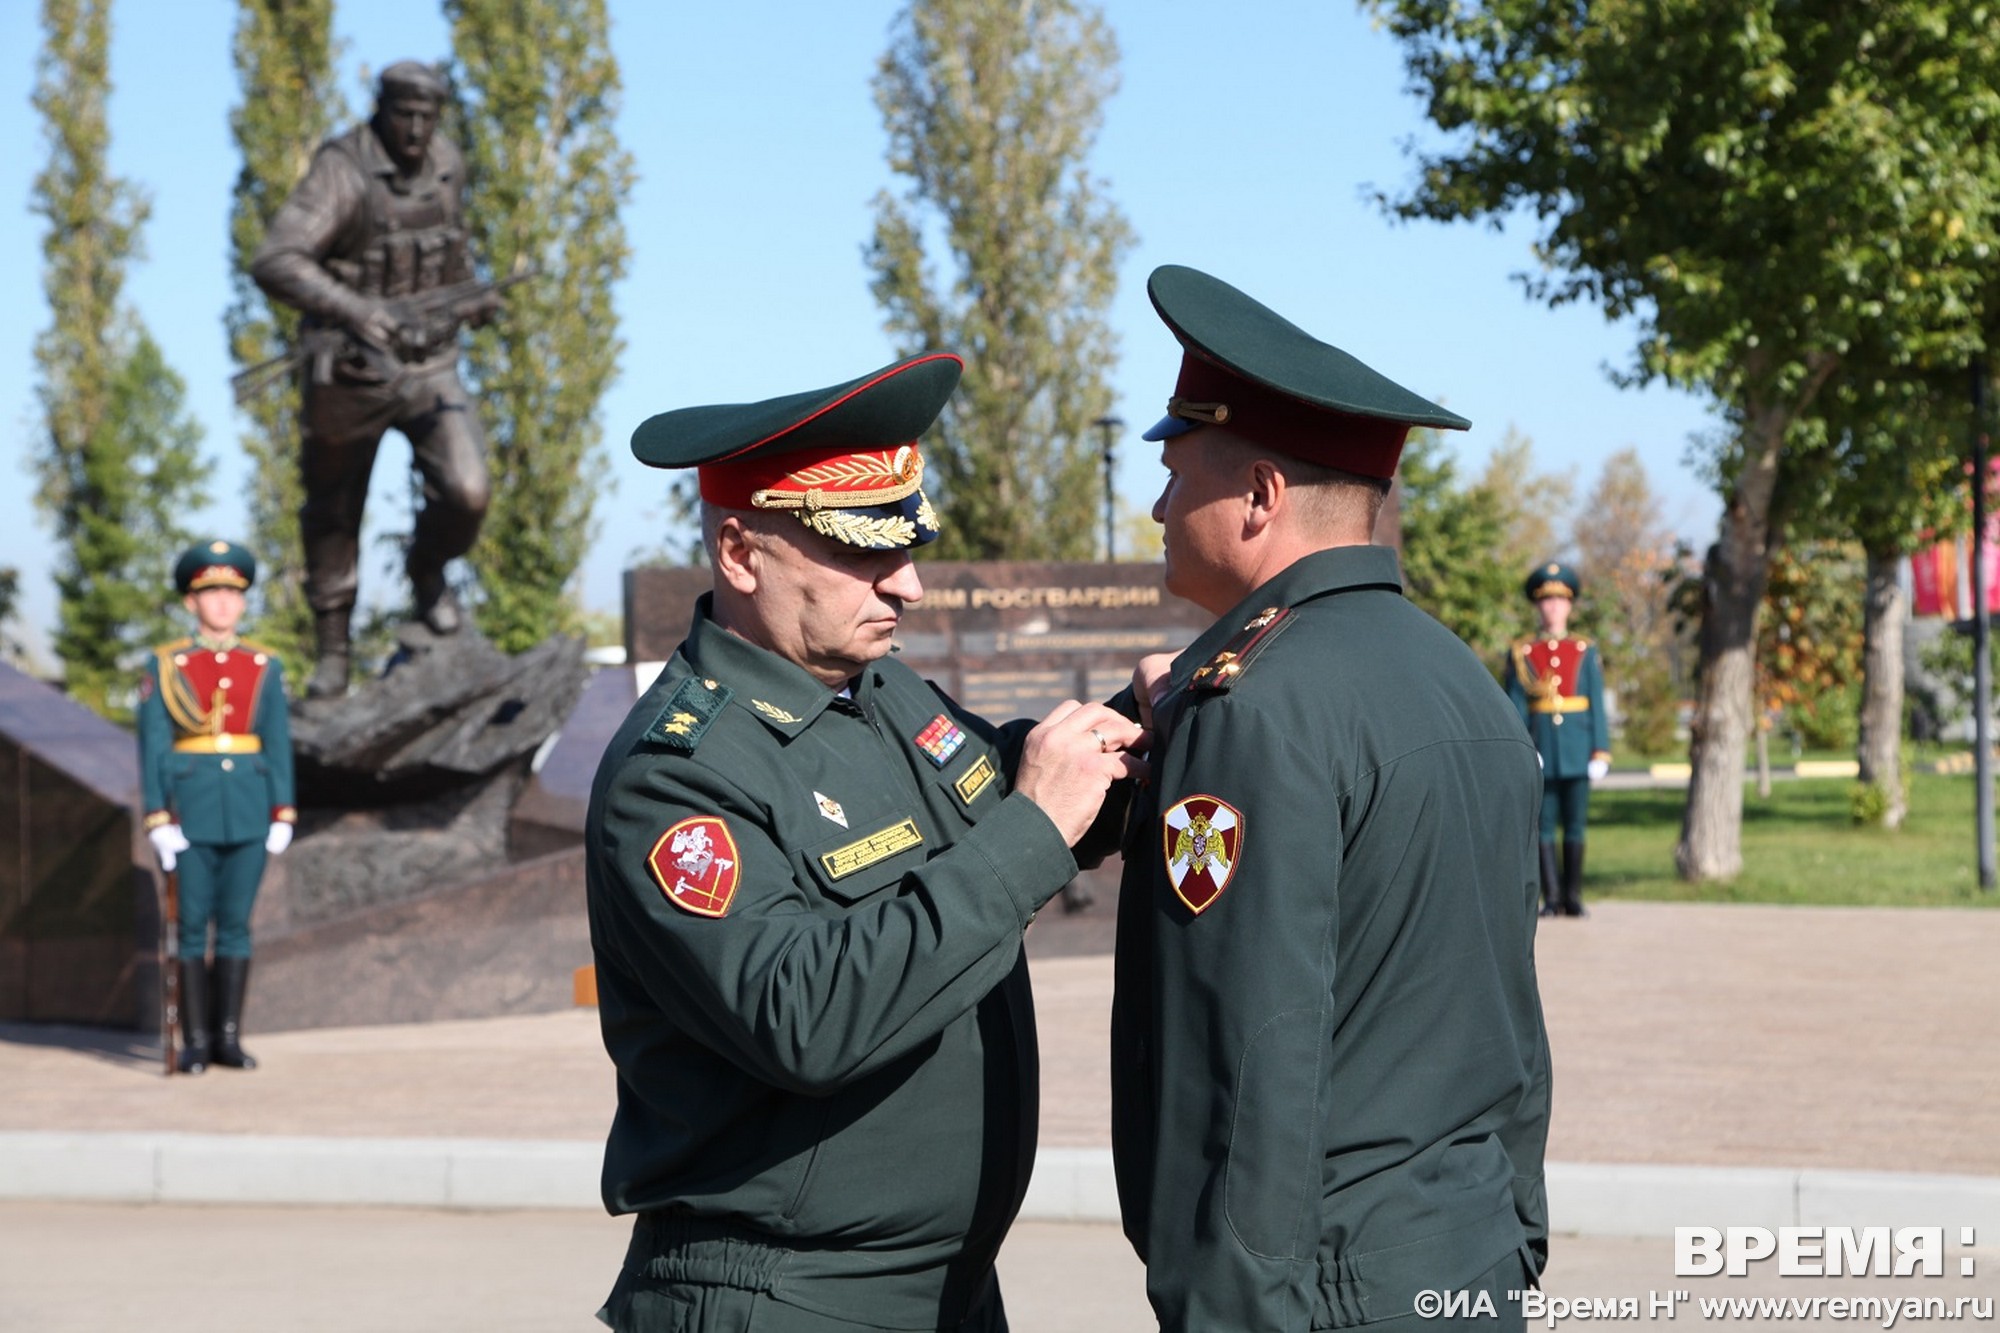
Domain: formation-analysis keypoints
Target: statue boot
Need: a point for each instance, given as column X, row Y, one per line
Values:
column 436, row 604
column 194, row 1017
column 329, row 678
column 1572, row 885
column 1551, row 886
column 232, row 979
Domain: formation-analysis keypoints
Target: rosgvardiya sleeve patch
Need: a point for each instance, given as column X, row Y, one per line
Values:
column 1202, row 841
column 697, row 866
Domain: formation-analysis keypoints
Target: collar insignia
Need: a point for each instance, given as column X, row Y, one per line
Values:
column 772, row 711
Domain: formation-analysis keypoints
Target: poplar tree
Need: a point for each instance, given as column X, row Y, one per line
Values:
column 284, row 55
column 991, row 112
column 537, row 91
column 119, row 465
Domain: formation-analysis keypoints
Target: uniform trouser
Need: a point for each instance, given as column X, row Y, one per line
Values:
column 1511, row 1274
column 218, row 886
column 658, row 1291
column 1565, row 800
column 344, row 424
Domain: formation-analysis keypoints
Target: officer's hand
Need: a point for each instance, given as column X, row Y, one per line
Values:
column 1149, row 684
column 279, row 838
column 1070, row 760
column 168, row 843
column 1600, row 764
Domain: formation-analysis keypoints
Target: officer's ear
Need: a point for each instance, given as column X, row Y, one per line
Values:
column 1266, row 495
column 736, row 555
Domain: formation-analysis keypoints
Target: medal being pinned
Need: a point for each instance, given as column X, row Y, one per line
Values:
column 1202, row 840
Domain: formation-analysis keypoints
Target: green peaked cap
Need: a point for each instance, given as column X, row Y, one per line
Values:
column 893, row 405
column 214, row 564
column 1552, row 578
column 1248, row 368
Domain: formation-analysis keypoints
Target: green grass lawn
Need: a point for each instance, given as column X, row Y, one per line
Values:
column 1799, row 846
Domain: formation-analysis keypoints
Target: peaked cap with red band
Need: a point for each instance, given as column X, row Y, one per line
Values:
column 1246, row 368
column 844, row 459
column 216, row 564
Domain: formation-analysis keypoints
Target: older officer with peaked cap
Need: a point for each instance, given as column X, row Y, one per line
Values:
column 1330, row 1078
column 808, row 877
column 1556, row 680
column 215, row 766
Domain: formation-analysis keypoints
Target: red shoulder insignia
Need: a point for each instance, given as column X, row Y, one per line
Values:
column 696, row 865
column 1202, row 839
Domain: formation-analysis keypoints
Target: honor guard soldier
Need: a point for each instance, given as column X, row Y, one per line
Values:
column 808, row 876
column 1330, row 1079
column 215, row 762
column 1557, row 681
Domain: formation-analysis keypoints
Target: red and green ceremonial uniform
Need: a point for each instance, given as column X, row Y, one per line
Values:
column 1330, row 1078
column 1558, row 687
column 215, row 757
column 806, row 911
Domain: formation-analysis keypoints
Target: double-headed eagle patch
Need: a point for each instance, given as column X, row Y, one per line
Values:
column 1203, row 841
column 697, row 866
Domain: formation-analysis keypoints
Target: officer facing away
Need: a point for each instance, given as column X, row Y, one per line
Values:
column 1330, row 1079
column 808, row 876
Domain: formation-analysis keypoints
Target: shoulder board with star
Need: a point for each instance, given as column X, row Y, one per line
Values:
column 695, row 705
column 1220, row 674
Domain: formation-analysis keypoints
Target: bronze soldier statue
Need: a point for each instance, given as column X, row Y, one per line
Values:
column 375, row 226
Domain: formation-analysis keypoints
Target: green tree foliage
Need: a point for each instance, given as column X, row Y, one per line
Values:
column 991, row 112
column 1452, row 538
column 1532, row 503
column 538, row 89
column 284, row 53
column 120, row 467
column 1809, row 642
column 1777, row 193
column 1625, row 554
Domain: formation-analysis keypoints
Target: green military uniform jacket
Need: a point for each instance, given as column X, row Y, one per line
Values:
column 215, row 741
column 827, row 1066
column 1330, row 1078
column 1557, row 685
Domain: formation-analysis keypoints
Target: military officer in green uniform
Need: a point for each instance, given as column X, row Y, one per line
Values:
column 1557, row 682
column 215, row 765
column 1330, row 1078
column 808, row 877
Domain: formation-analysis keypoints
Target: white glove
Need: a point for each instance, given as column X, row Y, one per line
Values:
column 168, row 843
column 279, row 838
column 1598, row 768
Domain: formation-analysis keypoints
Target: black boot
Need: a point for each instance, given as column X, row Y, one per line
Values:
column 329, row 678
column 194, row 1017
column 232, row 978
column 1572, row 887
column 1551, row 902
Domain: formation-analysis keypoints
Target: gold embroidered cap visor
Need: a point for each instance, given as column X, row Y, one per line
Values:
column 1552, row 579
column 1248, row 369
column 843, row 459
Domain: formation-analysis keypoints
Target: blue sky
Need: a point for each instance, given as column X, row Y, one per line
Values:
column 1246, row 148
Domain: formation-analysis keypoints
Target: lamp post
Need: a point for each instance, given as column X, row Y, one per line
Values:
column 1108, row 425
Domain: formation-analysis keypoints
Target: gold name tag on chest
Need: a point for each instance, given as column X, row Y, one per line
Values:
column 844, row 861
column 975, row 780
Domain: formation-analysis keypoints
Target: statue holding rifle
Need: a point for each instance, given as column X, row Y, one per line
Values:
column 371, row 247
